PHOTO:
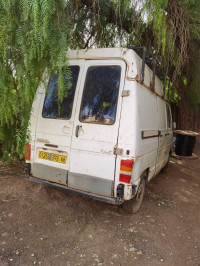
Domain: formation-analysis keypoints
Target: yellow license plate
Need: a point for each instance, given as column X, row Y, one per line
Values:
column 52, row 157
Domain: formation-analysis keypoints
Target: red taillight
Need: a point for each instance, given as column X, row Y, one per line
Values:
column 126, row 170
column 27, row 152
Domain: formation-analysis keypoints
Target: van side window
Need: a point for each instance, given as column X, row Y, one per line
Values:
column 169, row 122
column 50, row 108
column 100, row 94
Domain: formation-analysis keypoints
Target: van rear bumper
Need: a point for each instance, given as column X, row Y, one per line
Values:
column 115, row 201
column 80, row 182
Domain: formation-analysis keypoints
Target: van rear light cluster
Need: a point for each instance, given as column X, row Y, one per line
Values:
column 126, row 170
column 27, row 152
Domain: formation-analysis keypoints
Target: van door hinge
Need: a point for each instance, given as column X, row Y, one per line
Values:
column 118, row 151
column 125, row 93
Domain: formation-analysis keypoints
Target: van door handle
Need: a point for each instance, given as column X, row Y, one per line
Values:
column 51, row 145
column 77, row 130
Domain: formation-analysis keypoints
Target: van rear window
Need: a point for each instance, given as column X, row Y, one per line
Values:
column 100, row 94
column 50, row 108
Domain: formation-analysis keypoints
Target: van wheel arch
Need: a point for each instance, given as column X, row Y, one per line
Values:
column 133, row 205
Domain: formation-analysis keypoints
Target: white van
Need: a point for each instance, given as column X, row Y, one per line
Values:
column 112, row 133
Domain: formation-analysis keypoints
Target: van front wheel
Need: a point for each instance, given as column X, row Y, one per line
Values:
column 134, row 204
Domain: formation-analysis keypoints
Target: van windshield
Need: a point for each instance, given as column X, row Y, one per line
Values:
column 51, row 109
column 100, row 94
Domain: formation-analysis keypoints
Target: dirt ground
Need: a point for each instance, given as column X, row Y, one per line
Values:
column 44, row 226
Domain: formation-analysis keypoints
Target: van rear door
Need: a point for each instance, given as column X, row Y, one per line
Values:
column 54, row 128
column 96, row 126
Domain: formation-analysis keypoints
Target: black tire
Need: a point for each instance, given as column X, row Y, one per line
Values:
column 134, row 204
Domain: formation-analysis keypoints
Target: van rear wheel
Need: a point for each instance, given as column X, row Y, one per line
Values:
column 134, row 204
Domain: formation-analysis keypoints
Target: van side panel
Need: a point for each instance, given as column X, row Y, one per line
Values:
column 147, row 132
column 138, row 133
column 127, row 137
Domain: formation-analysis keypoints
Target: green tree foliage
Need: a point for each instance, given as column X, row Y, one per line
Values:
column 169, row 28
column 180, row 56
column 35, row 35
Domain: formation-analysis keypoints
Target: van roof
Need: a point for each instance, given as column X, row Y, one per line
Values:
column 98, row 53
column 131, row 58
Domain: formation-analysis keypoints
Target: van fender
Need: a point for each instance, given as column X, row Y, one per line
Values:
column 137, row 182
column 128, row 192
column 141, row 165
column 133, row 205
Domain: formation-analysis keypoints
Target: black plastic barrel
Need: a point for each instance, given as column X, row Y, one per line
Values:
column 184, row 145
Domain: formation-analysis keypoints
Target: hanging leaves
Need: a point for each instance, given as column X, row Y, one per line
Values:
column 33, row 36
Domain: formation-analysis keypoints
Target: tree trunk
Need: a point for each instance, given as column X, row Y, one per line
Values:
column 185, row 117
